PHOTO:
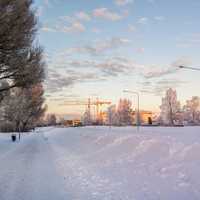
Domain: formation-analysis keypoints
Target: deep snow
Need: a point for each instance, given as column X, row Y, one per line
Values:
column 101, row 164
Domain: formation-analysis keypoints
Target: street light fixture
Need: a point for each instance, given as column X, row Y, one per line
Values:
column 192, row 68
column 138, row 109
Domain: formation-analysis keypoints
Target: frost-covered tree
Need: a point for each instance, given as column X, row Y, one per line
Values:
column 170, row 107
column 23, row 108
column 87, row 118
column 112, row 115
column 124, row 112
column 21, row 63
column 51, row 119
column 192, row 110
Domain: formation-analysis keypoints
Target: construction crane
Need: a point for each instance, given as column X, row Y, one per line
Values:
column 97, row 103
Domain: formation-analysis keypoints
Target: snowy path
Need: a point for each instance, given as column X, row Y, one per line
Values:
column 102, row 164
column 28, row 172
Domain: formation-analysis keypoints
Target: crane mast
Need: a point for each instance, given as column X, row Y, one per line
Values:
column 97, row 103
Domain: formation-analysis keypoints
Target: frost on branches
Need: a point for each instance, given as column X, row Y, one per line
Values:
column 192, row 111
column 170, row 108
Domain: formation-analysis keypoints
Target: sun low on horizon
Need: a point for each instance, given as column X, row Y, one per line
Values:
column 96, row 49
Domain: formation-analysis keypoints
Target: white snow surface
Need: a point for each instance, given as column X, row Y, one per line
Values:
column 102, row 164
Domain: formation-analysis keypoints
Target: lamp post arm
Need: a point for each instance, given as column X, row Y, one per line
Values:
column 192, row 68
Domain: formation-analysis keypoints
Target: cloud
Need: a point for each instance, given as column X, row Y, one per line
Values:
column 68, row 24
column 146, row 20
column 159, row 18
column 57, row 81
column 143, row 20
column 100, row 47
column 123, row 2
column 158, row 87
column 161, row 86
column 157, row 72
column 47, row 28
column 140, row 50
column 116, row 66
column 105, row 13
column 110, row 67
column 101, row 13
column 74, row 23
column 62, row 96
column 74, row 27
column 64, row 73
column 132, row 28
column 83, row 16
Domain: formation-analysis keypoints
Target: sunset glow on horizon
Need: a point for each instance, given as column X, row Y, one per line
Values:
column 96, row 49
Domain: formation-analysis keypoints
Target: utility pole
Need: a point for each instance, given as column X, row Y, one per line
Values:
column 89, row 111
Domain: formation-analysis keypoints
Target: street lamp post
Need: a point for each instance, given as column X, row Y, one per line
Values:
column 138, row 107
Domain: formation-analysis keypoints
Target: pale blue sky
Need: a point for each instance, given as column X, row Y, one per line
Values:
column 100, row 47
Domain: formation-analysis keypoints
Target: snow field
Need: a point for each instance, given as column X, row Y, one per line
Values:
column 101, row 163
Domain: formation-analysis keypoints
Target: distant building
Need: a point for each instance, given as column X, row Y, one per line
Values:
column 72, row 123
column 103, row 116
column 146, row 117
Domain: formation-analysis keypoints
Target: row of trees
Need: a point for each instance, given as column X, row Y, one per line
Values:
column 172, row 113
column 120, row 114
column 21, row 67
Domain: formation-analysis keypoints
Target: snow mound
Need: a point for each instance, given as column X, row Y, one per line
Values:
column 151, row 150
column 191, row 153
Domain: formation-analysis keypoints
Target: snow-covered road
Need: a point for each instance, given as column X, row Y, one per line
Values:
column 101, row 164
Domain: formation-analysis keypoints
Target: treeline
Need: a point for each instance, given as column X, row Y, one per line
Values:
column 172, row 113
column 21, row 67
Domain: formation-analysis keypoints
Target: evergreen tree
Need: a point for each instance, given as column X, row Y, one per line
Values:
column 21, row 62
